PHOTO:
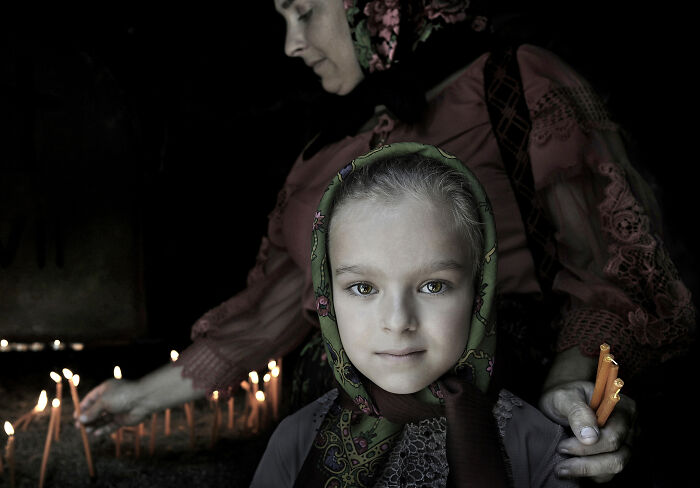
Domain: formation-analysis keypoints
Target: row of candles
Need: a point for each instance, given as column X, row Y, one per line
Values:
column 260, row 410
column 56, row 345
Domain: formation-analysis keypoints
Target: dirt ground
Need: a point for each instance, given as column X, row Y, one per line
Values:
column 173, row 462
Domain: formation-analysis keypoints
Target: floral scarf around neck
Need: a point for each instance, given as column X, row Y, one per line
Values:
column 356, row 434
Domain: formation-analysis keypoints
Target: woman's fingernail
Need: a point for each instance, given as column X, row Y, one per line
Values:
column 563, row 473
column 588, row 433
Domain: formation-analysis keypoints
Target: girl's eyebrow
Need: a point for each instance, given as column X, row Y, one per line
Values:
column 440, row 265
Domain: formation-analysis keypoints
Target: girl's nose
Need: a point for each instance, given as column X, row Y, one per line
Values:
column 294, row 41
column 399, row 313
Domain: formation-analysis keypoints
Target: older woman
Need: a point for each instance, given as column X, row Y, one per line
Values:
column 580, row 255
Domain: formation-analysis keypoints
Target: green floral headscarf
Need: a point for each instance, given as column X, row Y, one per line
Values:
column 354, row 437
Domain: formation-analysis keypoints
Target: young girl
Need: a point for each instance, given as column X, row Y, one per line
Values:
column 404, row 265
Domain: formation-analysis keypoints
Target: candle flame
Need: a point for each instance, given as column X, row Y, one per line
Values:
column 117, row 373
column 76, row 379
column 43, row 400
column 67, row 373
column 275, row 372
column 9, row 430
column 4, row 343
column 266, row 378
column 55, row 376
column 253, row 375
column 271, row 364
column 55, row 403
column 260, row 396
column 215, row 394
column 174, row 355
column 56, row 343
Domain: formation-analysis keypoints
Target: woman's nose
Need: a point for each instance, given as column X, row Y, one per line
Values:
column 399, row 313
column 294, row 41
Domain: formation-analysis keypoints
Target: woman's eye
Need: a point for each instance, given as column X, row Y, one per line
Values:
column 306, row 15
column 433, row 287
column 362, row 289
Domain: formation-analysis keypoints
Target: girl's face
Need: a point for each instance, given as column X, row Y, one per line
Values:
column 402, row 290
column 318, row 33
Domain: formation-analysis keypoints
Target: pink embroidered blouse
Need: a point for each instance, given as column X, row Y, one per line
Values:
column 623, row 288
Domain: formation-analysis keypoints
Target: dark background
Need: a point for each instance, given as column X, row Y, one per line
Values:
column 178, row 126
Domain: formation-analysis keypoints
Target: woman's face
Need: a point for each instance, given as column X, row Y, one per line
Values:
column 318, row 33
column 402, row 291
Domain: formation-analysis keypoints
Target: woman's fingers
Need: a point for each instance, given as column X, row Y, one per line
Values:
column 599, row 467
column 91, row 405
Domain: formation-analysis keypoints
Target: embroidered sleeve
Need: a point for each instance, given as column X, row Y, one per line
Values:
column 623, row 287
column 242, row 334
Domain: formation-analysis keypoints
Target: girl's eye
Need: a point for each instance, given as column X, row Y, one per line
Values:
column 362, row 289
column 433, row 287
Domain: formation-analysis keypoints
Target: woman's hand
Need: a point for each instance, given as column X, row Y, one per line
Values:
column 596, row 453
column 111, row 405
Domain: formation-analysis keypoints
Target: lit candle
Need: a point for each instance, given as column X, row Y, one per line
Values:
column 55, row 404
column 275, row 391
column 217, row 413
column 57, row 345
column 189, row 413
column 36, row 346
column 254, row 418
column 10, row 451
column 119, row 433
column 27, row 418
column 73, row 381
column 4, row 345
column 77, row 346
column 173, row 357
column 59, row 395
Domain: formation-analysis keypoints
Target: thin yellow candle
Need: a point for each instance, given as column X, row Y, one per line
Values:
column 73, row 382
column 119, row 433
column 59, row 395
column 274, row 391
column 173, row 357
column 217, row 413
column 152, row 440
column 10, row 451
column 55, row 404
column 230, row 409
column 601, row 380
column 254, row 417
column 606, row 408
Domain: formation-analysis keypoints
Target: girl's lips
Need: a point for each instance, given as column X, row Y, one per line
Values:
column 401, row 353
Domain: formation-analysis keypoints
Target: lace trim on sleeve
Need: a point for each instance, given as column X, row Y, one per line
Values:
column 561, row 111
column 657, row 319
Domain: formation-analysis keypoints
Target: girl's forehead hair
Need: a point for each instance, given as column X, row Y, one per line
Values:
column 411, row 175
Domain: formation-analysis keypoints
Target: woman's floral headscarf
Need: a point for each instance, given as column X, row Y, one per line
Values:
column 376, row 25
column 360, row 430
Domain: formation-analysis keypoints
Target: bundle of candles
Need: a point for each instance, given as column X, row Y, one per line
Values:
column 606, row 392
